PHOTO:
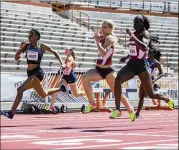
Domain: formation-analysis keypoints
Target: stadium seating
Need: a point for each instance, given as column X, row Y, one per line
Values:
column 61, row 33
column 165, row 28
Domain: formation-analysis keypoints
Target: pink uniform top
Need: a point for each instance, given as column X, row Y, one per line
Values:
column 107, row 59
column 135, row 51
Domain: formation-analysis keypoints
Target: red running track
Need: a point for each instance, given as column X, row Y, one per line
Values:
column 153, row 130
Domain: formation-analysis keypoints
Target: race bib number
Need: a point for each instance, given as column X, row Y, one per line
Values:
column 31, row 55
column 133, row 51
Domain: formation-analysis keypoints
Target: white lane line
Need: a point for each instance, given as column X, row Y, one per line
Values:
column 157, row 146
column 152, row 135
column 76, row 141
column 107, row 145
column 75, row 137
column 143, row 134
column 176, row 131
column 12, row 137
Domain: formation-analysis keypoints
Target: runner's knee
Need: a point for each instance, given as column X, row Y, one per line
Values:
column 117, row 81
column 151, row 95
column 84, row 78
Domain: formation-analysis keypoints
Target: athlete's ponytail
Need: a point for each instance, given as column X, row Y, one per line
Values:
column 153, row 47
column 158, row 55
column 154, row 41
column 146, row 22
column 74, row 57
column 73, row 54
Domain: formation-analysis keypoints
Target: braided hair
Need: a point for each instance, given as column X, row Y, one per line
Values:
column 144, row 19
column 146, row 22
column 158, row 55
column 154, row 40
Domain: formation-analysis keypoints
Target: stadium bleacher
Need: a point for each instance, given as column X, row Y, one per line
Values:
column 61, row 33
column 165, row 28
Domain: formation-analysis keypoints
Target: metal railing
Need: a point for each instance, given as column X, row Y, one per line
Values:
column 152, row 6
column 80, row 20
column 56, row 7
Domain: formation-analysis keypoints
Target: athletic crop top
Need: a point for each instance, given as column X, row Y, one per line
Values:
column 107, row 59
column 134, row 51
column 34, row 55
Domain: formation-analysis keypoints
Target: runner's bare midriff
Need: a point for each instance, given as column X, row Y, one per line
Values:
column 104, row 66
column 32, row 66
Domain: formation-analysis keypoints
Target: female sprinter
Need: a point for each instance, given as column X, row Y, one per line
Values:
column 69, row 77
column 34, row 53
column 138, row 45
column 104, row 69
column 154, row 63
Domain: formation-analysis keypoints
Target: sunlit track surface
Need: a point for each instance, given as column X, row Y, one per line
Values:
column 153, row 130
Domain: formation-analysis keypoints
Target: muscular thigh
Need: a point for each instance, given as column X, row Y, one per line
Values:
column 73, row 86
column 124, row 74
column 38, row 87
column 146, row 83
column 110, row 79
column 92, row 75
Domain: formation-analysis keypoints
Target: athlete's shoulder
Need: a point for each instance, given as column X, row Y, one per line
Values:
column 111, row 39
column 71, row 58
column 157, row 62
column 146, row 34
column 26, row 43
column 44, row 46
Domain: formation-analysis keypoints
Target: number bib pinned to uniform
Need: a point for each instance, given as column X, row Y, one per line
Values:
column 31, row 55
column 133, row 51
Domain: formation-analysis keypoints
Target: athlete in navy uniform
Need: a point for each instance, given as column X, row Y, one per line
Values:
column 34, row 52
column 69, row 77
